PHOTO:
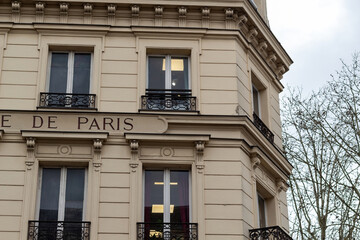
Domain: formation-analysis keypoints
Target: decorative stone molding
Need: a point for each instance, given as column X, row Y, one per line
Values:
column 135, row 12
column 88, row 8
column 111, row 9
column 200, row 165
column 15, row 9
column 182, row 16
column 205, row 13
column 158, row 15
column 40, row 7
column 271, row 58
column 262, row 46
column 97, row 146
column 280, row 71
column 229, row 18
column 242, row 20
column 281, row 186
column 64, row 11
column 134, row 162
column 255, row 162
column 30, row 144
column 251, row 35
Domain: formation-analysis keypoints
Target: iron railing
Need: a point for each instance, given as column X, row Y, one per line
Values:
column 169, row 99
column 167, row 231
column 66, row 100
column 58, row 230
column 269, row 233
column 263, row 128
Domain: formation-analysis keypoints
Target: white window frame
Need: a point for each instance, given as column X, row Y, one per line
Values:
column 62, row 191
column 70, row 73
column 166, row 200
column 168, row 69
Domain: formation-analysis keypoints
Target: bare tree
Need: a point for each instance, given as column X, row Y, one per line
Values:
column 322, row 141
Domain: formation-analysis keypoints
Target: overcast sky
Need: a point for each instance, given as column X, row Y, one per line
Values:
column 316, row 34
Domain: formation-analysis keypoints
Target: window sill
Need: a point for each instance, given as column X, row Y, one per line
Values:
column 187, row 112
column 68, row 108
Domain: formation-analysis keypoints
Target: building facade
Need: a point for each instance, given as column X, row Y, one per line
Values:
column 140, row 120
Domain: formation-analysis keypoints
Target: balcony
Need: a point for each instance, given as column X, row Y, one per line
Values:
column 263, row 128
column 168, row 100
column 269, row 233
column 58, row 230
column 67, row 100
column 167, row 231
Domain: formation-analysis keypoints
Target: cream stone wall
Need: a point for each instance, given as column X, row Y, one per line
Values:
column 229, row 159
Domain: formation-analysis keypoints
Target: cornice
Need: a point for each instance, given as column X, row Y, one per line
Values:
column 236, row 15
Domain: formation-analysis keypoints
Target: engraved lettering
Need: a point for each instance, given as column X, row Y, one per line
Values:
column 108, row 121
column 129, row 124
column 51, row 121
column 94, row 124
column 5, row 119
column 82, row 120
column 38, row 121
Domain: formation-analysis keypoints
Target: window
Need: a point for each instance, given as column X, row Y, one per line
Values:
column 167, row 204
column 256, row 101
column 61, row 204
column 69, row 77
column 168, row 84
column 261, row 211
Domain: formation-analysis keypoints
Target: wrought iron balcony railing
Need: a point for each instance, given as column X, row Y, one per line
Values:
column 269, row 233
column 176, row 100
column 167, row 231
column 66, row 100
column 58, row 230
column 263, row 128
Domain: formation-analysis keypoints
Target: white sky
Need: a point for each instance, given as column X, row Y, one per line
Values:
column 316, row 34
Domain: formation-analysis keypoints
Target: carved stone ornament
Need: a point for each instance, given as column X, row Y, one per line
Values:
column 30, row 144
column 64, row 10
column 271, row 58
column 182, row 11
column 98, row 143
column 242, row 20
column 15, row 8
column 280, row 70
column 135, row 10
column 40, row 7
column 205, row 12
column 255, row 162
column 282, row 186
column 88, row 7
column 252, row 34
column 200, row 165
column 158, row 11
column 262, row 46
column 229, row 13
column 111, row 9
column 134, row 162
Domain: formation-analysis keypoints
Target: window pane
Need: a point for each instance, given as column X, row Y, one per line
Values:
column 50, row 188
column 256, row 101
column 58, row 72
column 82, row 65
column 179, row 196
column 74, row 198
column 154, row 196
column 179, row 73
column 262, row 216
column 157, row 68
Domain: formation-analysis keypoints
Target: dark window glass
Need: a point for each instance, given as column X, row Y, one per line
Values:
column 256, row 101
column 157, row 69
column 262, row 214
column 74, row 198
column 50, row 189
column 179, row 196
column 179, row 73
column 82, row 65
column 58, row 72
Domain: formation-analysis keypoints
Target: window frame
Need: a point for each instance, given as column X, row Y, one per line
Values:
column 70, row 72
column 257, row 99
column 168, row 70
column 167, row 195
column 62, row 191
